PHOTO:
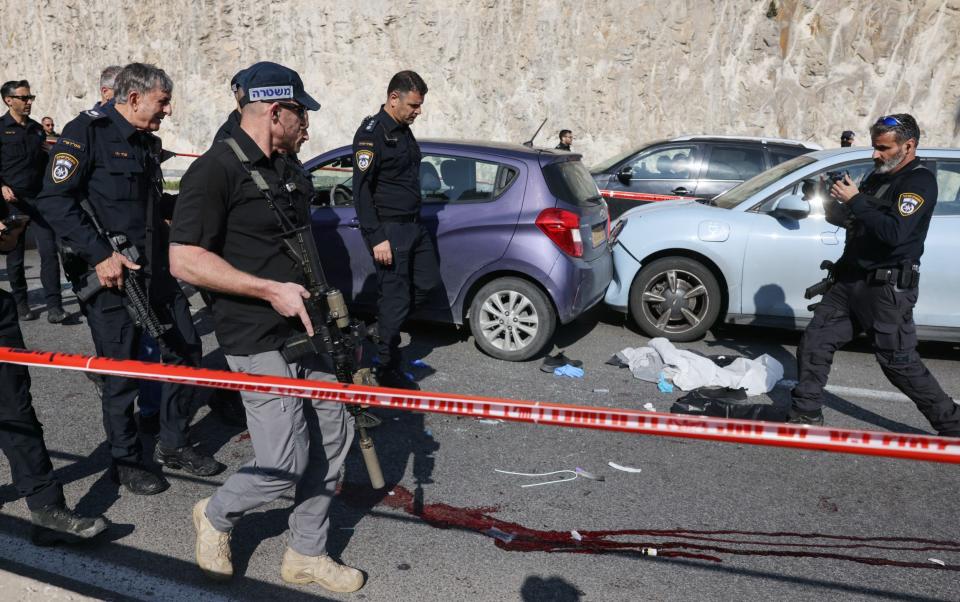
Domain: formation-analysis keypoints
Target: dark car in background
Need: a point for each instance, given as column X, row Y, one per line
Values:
column 521, row 233
column 689, row 167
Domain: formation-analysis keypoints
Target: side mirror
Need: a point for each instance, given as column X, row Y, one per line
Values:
column 791, row 205
column 625, row 174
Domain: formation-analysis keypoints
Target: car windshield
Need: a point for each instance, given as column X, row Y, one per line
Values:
column 570, row 182
column 738, row 194
column 605, row 165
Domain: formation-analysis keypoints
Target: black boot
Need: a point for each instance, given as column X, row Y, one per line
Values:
column 395, row 379
column 814, row 418
column 56, row 315
column 137, row 479
column 188, row 459
column 58, row 524
column 25, row 313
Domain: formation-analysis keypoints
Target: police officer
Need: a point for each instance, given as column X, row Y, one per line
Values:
column 232, row 123
column 227, row 237
column 111, row 158
column 23, row 159
column 847, row 138
column 566, row 139
column 108, row 79
column 877, row 278
column 386, row 187
column 21, row 437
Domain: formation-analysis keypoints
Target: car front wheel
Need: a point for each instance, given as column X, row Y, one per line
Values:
column 675, row 297
column 512, row 319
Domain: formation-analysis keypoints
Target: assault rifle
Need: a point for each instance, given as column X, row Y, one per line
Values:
column 86, row 283
column 823, row 286
column 335, row 333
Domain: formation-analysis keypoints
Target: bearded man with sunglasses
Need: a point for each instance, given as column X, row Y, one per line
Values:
column 877, row 279
column 228, row 235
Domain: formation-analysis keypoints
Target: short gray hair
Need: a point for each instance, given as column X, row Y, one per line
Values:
column 140, row 78
column 109, row 76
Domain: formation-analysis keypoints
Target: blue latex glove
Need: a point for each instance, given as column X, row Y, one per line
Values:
column 664, row 385
column 568, row 370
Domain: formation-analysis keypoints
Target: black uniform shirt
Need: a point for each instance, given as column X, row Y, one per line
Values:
column 101, row 157
column 386, row 174
column 22, row 158
column 220, row 209
column 563, row 147
column 891, row 215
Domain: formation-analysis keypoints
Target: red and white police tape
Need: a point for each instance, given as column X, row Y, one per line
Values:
column 913, row 447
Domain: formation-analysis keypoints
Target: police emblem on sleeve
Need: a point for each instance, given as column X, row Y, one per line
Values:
column 364, row 159
column 64, row 165
column 909, row 203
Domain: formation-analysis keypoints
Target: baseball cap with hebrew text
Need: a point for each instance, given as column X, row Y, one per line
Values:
column 268, row 82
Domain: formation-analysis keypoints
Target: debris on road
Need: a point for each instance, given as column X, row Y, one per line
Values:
column 937, row 561
column 575, row 474
column 649, row 407
column 489, row 420
column 576, row 535
column 601, row 390
column 498, row 534
column 664, row 385
column 623, row 468
column 552, row 362
column 568, row 370
column 589, row 475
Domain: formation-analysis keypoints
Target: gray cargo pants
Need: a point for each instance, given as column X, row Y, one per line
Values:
column 295, row 441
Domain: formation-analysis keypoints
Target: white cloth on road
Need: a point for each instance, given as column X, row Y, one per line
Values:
column 688, row 370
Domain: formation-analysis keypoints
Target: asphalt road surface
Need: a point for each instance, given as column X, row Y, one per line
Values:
column 743, row 522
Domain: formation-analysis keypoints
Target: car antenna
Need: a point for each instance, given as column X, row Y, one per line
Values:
column 530, row 141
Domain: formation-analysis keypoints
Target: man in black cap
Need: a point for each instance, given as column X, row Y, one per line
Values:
column 228, row 236
column 233, row 119
column 847, row 138
column 107, row 165
column 386, row 185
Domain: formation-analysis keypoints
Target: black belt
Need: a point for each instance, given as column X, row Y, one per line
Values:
column 895, row 276
column 400, row 219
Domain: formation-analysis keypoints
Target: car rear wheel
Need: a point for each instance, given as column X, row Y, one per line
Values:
column 512, row 319
column 675, row 297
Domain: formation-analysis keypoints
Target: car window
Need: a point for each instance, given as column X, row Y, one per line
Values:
column 448, row 179
column 570, row 182
column 616, row 159
column 779, row 154
column 673, row 163
column 814, row 188
column 333, row 181
column 948, row 185
column 734, row 162
column 739, row 194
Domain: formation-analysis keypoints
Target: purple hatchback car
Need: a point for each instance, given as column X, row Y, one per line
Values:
column 522, row 235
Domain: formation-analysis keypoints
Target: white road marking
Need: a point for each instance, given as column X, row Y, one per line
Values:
column 99, row 573
column 854, row 392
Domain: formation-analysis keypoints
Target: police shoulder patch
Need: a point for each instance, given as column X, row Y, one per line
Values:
column 908, row 203
column 364, row 159
column 63, row 166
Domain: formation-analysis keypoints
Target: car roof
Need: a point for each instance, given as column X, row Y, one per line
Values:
column 858, row 152
column 502, row 149
column 761, row 139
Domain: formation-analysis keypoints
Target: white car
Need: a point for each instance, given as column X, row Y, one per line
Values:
column 747, row 256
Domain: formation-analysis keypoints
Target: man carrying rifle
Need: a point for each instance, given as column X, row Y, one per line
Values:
column 102, row 194
column 235, row 233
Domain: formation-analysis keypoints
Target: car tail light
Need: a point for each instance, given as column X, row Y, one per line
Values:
column 563, row 228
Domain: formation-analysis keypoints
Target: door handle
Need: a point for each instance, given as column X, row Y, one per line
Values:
column 680, row 190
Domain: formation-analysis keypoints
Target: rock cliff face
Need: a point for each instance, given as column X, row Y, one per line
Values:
column 616, row 72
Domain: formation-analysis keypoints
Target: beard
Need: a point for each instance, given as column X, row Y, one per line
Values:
column 890, row 164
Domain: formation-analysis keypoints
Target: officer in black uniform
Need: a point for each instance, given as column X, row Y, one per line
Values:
column 877, row 278
column 21, row 437
column 232, row 122
column 23, row 159
column 566, row 139
column 386, row 181
column 110, row 158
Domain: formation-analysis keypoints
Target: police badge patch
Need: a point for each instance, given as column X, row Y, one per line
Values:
column 364, row 159
column 909, row 203
column 63, row 166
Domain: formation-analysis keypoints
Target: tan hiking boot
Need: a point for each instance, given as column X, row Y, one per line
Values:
column 213, row 547
column 322, row 570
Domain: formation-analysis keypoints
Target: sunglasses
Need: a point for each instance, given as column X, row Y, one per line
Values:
column 299, row 109
column 890, row 121
column 23, row 97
